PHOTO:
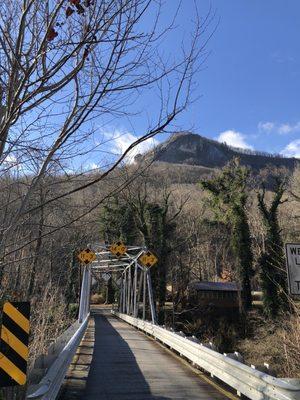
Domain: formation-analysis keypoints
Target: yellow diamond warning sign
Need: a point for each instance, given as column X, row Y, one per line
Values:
column 148, row 259
column 118, row 249
column 86, row 256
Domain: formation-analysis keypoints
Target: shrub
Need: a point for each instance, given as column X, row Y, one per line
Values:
column 97, row 299
column 73, row 310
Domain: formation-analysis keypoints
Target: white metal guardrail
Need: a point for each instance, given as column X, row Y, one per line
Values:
column 254, row 384
column 50, row 385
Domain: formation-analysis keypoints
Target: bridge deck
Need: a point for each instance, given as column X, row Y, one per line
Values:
column 117, row 362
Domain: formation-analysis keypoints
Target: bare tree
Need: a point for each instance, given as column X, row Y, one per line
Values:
column 65, row 66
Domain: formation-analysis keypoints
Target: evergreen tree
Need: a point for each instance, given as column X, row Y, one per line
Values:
column 228, row 200
column 272, row 261
column 118, row 223
column 110, row 220
column 157, row 228
column 128, row 229
column 140, row 221
column 110, row 292
column 71, row 292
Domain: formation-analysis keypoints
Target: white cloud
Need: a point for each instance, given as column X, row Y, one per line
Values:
column 281, row 129
column 10, row 159
column 119, row 141
column 234, row 138
column 266, row 126
column 9, row 162
column 288, row 128
column 93, row 166
column 292, row 149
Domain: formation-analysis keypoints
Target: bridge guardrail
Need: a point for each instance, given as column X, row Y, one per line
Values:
column 50, row 385
column 44, row 361
column 254, row 384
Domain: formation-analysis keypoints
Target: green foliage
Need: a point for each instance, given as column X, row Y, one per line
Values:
column 110, row 294
column 73, row 309
column 141, row 220
column 128, row 227
column 72, row 284
column 228, row 200
column 272, row 261
column 118, row 223
column 160, row 230
column 156, row 228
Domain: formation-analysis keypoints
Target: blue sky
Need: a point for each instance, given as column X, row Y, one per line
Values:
column 249, row 87
column 252, row 81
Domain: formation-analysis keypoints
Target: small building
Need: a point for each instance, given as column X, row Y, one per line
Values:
column 217, row 294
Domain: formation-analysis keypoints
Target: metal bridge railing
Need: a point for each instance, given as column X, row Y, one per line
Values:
column 254, row 384
column 49, row 387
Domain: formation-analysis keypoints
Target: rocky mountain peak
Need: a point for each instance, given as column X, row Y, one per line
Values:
column 190, row 148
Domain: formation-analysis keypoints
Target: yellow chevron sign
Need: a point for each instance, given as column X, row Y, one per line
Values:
column 148, row 259
column 86, row 256
column 118, row 249
column 14, row 344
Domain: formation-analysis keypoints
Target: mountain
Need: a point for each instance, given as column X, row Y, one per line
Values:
column 192, row 149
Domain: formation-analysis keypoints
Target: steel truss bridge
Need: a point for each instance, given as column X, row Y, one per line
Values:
column 135, row 280
column 123, row 354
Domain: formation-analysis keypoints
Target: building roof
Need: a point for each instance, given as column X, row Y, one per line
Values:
column 221, row 286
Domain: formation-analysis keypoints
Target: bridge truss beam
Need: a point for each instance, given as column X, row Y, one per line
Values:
column 135, row 286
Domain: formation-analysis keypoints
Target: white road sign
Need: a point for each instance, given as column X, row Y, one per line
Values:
column 292, row 251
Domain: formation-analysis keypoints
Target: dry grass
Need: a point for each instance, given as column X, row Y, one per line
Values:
column 97, row 299
column 276, row 343
column 290, row 337
column 47, row 326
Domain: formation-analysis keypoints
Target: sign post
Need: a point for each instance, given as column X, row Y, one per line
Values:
column 292, row 251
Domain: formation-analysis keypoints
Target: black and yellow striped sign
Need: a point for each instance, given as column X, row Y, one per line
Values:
column 14, row 344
